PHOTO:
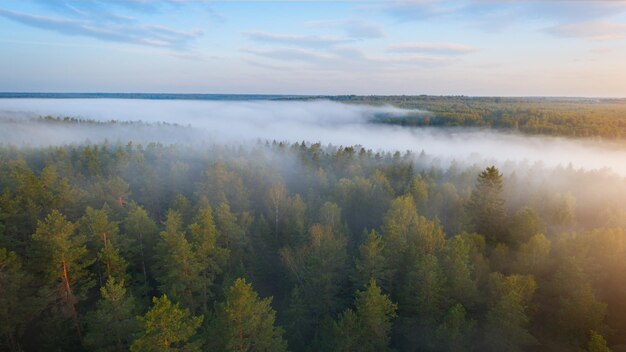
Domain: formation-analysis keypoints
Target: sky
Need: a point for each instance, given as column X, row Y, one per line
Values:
column 438, row 47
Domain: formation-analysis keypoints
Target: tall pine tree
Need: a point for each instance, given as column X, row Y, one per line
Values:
column 167, row 327
column 64, row 262
column 111, row 326
column 486, row 206
column 246, row 323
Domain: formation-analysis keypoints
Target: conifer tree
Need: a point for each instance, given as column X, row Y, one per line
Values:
column 371, row 263
column 246, row 323
column 167, row 327
column 533, row 256
column 322, row 270
column 114, row 264
column 408, row 236
column 422, row 300
column 64, row 259
column 102, row 235
column 507, row 321
column 178, row 267
column 276, row 201
column 578, row 309
column 110, row 327
column 16, row 300
column 348, row 333
column 458, row 270
column 298, row 322
column 454, row 334
column 210, row 257
column 487, row 207
column 232, row 235
column 139, row 226
column 375, row 312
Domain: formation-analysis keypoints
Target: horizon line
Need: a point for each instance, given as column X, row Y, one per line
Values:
column 59, row 95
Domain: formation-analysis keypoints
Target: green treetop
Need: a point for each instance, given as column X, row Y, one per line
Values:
column 167, row 328
column 111, row 325
column 246, row 323
column 486, row 205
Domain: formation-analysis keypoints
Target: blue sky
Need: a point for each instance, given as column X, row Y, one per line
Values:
column 471, row 47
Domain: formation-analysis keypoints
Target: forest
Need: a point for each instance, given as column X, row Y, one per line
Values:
column 282, row 246
column 571, row 117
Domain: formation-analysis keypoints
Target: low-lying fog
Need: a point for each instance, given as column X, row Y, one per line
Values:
column 292, row 121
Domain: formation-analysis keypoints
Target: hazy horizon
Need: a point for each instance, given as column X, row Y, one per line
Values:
column 27, row 94
column 244, row 121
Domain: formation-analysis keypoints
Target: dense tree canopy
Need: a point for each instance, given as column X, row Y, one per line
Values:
column 303, row 247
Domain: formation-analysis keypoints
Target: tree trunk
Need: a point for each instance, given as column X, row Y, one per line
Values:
column 70, row 300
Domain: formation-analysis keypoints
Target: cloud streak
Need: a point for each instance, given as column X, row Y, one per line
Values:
column 343, row 58
column 89, row 19
column 353, row 28
column 599, row 30
column 294, row 40
column 411, row 10
column 433, row 48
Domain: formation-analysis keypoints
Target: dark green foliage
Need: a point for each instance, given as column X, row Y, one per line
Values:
column 507, row 322
column 63, row 259
column 167, row 327
column 597, row 343
column 577, row 308
column 371, row 263
column 209, row 257
column 142, row 232
column 17, row 305
column 112, row 325
column 298, row 321
column 422, row 301
column 486, row 207
column 246, row 323
column 178, row 268
column 349, row 333
column 375, row 313
column 319, row 269
column 368, row 327
column 458, row 271
column 102, row 236
column 525, row 224
column 309, row 226
column 455, row 333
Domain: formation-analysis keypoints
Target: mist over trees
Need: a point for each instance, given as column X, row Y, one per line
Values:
column 304, row 247
column 572, row 117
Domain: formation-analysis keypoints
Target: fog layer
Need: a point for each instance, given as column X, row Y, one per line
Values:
column 291, row 121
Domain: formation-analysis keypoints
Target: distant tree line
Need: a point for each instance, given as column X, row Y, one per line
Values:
column 571, row 117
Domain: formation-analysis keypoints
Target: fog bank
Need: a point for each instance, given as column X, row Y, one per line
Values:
column 291, row 121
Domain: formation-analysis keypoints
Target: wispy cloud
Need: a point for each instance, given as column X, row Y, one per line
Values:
column 600, row 30
column 433, row 48
column 342, row 58
column 573, row 10
column 99, row 6
column 412, row 60
column 407, row 10
column 291, row 54
column 128, row 32
column 353, row 28
column 294, row 40
column 571, row 18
